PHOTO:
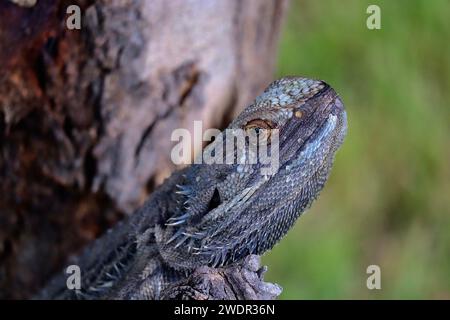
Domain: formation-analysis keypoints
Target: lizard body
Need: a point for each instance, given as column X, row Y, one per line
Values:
column 218, row 214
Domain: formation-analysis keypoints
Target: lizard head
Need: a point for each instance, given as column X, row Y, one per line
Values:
column 244, row 206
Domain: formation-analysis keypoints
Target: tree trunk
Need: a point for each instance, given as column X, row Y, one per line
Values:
column 86, row 115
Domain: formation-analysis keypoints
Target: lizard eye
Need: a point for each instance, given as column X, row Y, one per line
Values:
column 259, row 128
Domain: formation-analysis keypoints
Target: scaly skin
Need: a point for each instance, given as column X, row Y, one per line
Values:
column 218, row 214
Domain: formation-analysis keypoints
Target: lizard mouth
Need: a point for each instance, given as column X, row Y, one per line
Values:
column 310, row 121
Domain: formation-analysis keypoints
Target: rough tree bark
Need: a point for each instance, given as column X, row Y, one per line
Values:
column 86, row 115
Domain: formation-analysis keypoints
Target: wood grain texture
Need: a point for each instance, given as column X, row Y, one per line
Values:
column 86, row 115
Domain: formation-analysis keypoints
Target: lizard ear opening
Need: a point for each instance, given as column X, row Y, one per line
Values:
column 215, row 200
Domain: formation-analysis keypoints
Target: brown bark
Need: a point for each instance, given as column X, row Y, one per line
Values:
column 86, row 115
column 237, row 282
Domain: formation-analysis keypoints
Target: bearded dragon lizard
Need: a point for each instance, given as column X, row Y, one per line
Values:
column 217, row 215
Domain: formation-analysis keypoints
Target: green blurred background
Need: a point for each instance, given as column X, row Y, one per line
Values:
column 387, row 200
